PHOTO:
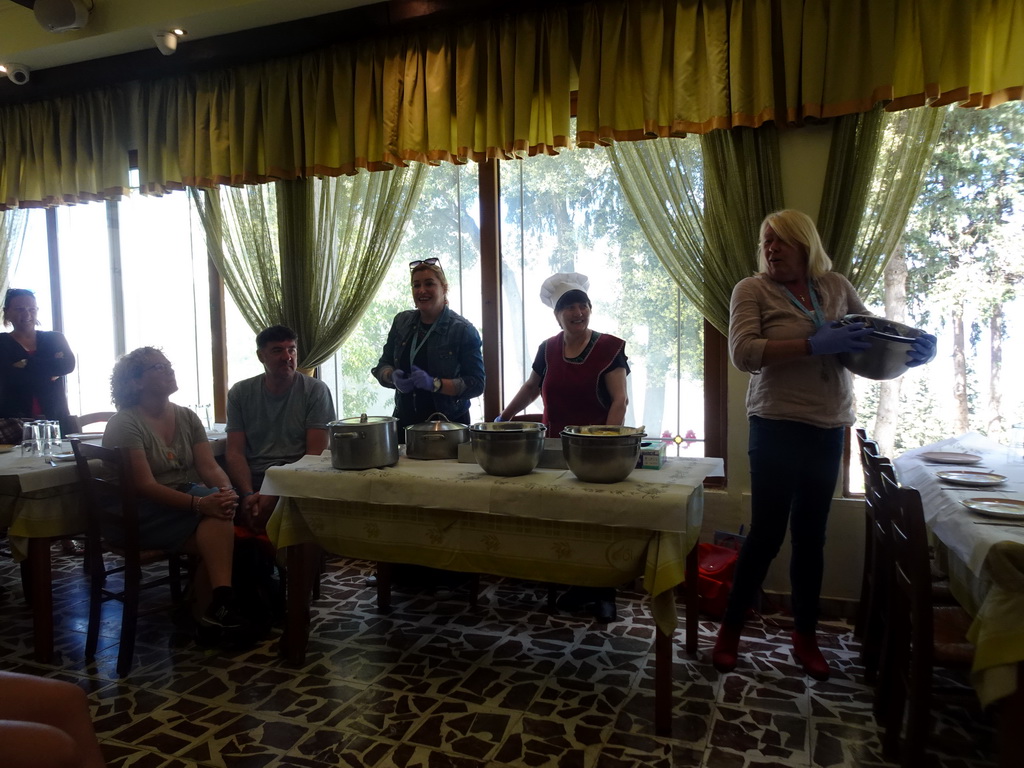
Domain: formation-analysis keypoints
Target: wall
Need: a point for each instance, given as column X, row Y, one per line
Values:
column 804, row 155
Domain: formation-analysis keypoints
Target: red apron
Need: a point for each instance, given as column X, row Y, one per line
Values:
column 570, row 389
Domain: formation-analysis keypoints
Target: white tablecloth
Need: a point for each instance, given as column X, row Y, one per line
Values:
column 986, row 562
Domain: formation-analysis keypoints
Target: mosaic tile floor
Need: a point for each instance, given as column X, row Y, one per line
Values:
column 435, row 684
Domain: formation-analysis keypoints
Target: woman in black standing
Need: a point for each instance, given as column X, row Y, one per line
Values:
column 33, row 364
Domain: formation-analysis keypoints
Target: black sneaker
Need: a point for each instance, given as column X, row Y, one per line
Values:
column 223, row 615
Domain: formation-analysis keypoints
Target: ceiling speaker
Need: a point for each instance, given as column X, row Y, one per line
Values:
column 61, row 15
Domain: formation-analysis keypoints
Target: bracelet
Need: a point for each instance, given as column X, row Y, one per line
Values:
column 195, row 506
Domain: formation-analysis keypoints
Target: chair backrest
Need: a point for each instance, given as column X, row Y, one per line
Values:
column 79, row 423
column 908, row 534
column 104, row 489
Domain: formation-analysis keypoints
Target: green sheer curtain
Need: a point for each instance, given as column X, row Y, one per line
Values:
column 12, row 237
column 700, row 204
column 310, row 253
column 875, row 170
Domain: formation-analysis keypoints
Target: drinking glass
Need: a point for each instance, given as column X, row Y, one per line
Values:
column 1015, row 451
column 31, row 436
column 50, row 437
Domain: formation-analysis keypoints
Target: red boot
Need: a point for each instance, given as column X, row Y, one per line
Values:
column 726, row 648
column 806, row 652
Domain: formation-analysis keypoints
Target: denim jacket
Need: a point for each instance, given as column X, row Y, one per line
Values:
column 453, row 352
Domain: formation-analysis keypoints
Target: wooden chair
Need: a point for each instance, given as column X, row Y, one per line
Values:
column 79, row 423
column 104, row 497
column 920, row 636
column 871, row 613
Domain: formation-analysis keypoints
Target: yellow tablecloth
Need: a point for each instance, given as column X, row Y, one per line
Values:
column 546, row 525
column 985, row 562
column 37, row 500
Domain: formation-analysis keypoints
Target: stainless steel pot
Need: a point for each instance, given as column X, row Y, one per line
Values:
column 363, row 442
column 437, row 438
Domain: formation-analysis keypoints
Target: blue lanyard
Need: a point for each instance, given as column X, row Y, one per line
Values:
column 416, row 344
column 817, row 316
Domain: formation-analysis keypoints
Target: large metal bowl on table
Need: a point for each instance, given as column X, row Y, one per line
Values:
column 886, row 358
column 600, row 453
column 508, row 448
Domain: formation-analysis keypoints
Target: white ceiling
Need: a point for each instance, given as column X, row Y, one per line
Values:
column 124, row 26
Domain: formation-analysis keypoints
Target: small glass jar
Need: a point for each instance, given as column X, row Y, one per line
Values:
column 1015, row 450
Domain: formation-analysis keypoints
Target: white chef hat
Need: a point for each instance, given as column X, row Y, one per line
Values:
column 556, row 286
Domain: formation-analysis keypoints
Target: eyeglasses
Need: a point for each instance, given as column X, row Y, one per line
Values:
column 433, row 261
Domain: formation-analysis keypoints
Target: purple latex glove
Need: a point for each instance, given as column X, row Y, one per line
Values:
column 421, row 379
column 498, row 418
column 402, row 382
column 921, row 351
column 836, row 337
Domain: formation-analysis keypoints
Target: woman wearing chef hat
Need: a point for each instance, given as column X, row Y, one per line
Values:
column 580, row 374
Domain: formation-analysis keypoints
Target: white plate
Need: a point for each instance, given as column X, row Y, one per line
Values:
column 1010, row 509
column 965, row 477
column 84, row 436
column 63, row 457
column 946, row 457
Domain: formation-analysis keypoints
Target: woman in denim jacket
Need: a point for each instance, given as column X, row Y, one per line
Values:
column 432, row 356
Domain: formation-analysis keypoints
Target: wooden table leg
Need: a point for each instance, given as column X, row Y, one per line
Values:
column 1009, row 719
column 662, row 683
column 384, row 580
column 42, row 599
column 692, row 601
column 301, row 559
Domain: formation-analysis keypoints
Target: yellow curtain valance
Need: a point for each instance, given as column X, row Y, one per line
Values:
column 482, row 90
column 669, row 67
column 502, row 86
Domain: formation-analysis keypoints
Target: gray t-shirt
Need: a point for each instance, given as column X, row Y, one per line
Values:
column 172, row 465
column 275, row 425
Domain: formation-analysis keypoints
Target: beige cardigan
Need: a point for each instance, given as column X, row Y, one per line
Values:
column 815, row 390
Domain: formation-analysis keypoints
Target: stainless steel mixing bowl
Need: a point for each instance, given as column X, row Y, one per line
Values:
column 601, row 455
column 887, row 356
column 508, row 448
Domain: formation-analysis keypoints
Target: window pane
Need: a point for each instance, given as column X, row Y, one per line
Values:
column 445, row 224
column 567, row 214
column 32, row 270
column 166, row 289
column 86, row 295
column 957, row 274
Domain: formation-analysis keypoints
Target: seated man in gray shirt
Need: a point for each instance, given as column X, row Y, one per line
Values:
column 274, row 418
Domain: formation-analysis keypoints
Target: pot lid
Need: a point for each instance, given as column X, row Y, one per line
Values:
column 443, row 424
column 364, row 419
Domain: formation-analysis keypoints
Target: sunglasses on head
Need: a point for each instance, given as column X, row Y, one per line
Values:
column 431, row 262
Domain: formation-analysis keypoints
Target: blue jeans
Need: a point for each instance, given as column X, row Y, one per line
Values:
column 793, row 473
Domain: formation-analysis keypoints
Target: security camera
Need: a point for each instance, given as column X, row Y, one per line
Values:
column 18, row 74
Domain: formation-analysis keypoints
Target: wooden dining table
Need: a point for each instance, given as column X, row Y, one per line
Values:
column 984, row 555
column 543, row 526
column 40, row 502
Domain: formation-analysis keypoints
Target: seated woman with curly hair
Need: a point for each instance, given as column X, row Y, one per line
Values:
column 170, row 455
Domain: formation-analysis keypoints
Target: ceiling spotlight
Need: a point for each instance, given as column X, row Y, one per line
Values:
column 167, row 42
